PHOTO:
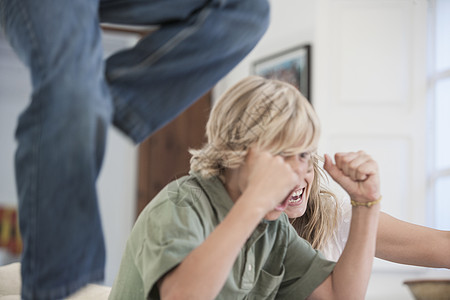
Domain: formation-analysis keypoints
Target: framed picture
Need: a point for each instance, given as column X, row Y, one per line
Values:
column 292, row 66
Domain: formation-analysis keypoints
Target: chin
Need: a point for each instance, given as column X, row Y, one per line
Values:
column 295, row 212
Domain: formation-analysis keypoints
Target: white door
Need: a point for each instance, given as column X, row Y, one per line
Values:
column 369, row 80
column 370, row 91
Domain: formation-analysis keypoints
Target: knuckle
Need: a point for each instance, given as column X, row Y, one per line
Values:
column 354, row 165
column 347, row 159
column 339, row 155
column 360, row 169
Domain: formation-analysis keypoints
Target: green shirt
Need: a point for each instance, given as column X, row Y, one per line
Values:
column 274, row 262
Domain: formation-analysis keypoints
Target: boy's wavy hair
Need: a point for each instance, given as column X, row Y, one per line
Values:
column 269, row 114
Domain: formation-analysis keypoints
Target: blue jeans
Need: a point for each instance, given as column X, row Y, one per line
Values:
column 76, row 95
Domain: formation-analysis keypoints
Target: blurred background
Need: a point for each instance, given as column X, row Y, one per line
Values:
column 379, row 75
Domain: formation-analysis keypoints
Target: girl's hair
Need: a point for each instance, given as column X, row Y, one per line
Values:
column 265, row 113
column 320, row 218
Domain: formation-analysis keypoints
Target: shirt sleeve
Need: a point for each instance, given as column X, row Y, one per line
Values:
column 169, row 232
column 305, row 268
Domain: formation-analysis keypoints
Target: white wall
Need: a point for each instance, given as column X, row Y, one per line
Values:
column 117, row 184
column 12, row 99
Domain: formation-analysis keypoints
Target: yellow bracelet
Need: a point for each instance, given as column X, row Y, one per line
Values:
column 366, row 204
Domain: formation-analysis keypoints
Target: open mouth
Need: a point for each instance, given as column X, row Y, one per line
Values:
column 296, row 198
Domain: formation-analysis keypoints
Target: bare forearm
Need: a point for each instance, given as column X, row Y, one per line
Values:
column 352, row 272
column 412, row 244
column 357, row 173
column 203, row 272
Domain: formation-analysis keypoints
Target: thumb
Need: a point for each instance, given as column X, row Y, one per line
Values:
column 336, row 173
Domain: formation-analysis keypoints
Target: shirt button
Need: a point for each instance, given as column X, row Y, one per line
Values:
column 250, row 267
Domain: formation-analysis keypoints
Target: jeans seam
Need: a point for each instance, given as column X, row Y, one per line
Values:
column 35, row 150
column 167, row 47
column 34, row 44
column 135, row 127
column 2, row 17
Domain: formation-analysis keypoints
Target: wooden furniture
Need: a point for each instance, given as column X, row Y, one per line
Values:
column 164, row 156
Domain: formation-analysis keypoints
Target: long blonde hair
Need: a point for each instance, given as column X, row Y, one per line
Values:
column 320, row 218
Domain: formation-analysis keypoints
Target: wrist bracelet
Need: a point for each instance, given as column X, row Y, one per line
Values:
column 366, row 204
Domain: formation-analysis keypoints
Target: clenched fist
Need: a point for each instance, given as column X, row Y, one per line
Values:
column 357, row 173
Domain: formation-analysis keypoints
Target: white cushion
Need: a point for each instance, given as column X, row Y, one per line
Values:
column 10, row 285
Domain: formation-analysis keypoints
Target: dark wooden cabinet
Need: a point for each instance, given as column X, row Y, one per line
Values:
column 164, row 156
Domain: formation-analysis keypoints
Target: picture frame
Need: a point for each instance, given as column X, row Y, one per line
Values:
column 292, row 66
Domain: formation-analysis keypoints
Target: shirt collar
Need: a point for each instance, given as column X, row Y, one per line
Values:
column 220, row 199
column 216, row 192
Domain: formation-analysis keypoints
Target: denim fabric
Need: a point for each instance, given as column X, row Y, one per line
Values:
column 62, row 133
